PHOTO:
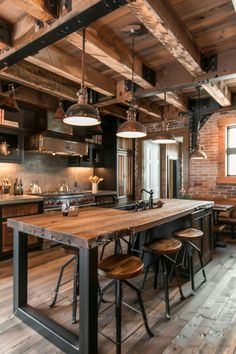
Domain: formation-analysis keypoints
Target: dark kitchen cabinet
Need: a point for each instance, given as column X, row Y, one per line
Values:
column 6, row 233
column 14, row 139
column 93, row 159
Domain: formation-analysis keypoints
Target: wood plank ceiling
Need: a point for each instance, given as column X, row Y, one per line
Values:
column 177, row 34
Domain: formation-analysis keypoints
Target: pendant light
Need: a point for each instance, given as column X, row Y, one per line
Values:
column 164, row 136
column 82, row 113
column 9, row 103
column 60, row 113
column 132, row 128
column 197, row 153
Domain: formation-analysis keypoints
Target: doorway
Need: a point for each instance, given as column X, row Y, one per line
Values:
column 172, row 178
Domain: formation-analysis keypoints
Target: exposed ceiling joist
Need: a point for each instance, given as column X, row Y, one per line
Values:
column 114, row 55
column 220, row 92
column 35, row 8
column 65, row 65
column 41, row 80
column 175, row 78
column 90, row 11
column 115, row 111
column 161, row 20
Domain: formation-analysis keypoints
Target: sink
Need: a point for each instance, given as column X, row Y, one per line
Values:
column 125, row 207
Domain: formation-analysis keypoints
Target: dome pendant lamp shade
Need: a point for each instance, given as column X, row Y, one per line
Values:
column 82, row 113
column 132, row 129
column 164, row 136
column 9, row 103
column 197, row 153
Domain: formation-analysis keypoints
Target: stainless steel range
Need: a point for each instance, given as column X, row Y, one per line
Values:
column 54, row 200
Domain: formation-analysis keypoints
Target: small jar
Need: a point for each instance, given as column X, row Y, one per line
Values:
column 65, row 208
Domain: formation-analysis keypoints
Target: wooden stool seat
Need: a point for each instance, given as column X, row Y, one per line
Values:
column 70, row 250
column 189, row 234
column 163, row 246
column 120, row 266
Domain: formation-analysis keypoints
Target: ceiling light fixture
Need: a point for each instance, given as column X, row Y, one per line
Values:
column 9, row 103
column 197, row 153
column 164, row 136
column 82, row 113
column 132, row 128
column 60, row 113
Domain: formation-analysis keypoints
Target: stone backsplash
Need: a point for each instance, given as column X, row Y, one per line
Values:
column 49, row 171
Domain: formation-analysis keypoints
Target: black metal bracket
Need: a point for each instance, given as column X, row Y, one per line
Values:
column 207, row 107
column 209, row 63
column 53, row 7
column 128, row 86
column 149, row 74
column 5, row 33
column 76, row 23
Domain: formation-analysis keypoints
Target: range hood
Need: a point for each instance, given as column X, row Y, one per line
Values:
column 52, row 146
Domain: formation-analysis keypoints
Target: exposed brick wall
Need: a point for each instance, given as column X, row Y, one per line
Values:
column 203, row 174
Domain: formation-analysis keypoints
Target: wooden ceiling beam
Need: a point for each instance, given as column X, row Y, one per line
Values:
column 35, row 8
column 220, row 92
column 41, row 80
column 89, row 11
column 114, row 110
column 65, row 65
column 161, row 20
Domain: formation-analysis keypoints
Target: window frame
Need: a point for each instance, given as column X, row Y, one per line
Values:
column 229, row 150
column 223, row 124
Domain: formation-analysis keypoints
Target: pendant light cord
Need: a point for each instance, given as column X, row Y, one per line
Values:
column 132, row 67
column 198, row 117
column 82, row 63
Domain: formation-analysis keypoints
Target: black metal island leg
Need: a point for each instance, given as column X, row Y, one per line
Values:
column 87, row 342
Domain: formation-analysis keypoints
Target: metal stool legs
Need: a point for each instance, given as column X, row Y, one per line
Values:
column 75, row 286
column 160, row 264
column 59, row 280
column 75, row 291
column 189, row 248
column 118, row 290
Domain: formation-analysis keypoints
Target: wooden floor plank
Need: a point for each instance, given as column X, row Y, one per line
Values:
column 201, row 324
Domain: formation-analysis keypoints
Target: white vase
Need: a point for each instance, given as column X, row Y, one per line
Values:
column 94, row 188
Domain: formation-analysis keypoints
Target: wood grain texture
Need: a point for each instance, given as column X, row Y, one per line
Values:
column 164, row 246
column 120, row 266
column 189, row 234
column 94, row 223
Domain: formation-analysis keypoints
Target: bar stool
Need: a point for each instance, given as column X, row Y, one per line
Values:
column 162, row 249
column 75, row 252
column 187, row 236
column 121, row 267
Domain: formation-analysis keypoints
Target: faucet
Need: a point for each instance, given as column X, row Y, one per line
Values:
column 150, row 202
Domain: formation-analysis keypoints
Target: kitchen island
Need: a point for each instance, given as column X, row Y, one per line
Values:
column 92, row 227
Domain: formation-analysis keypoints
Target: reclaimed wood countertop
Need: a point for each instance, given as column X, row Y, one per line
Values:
column 94, row 225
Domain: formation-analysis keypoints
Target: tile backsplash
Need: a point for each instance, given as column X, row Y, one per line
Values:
column 49, row 171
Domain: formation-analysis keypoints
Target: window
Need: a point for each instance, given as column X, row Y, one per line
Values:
column 231, row 151
column 227, row 150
